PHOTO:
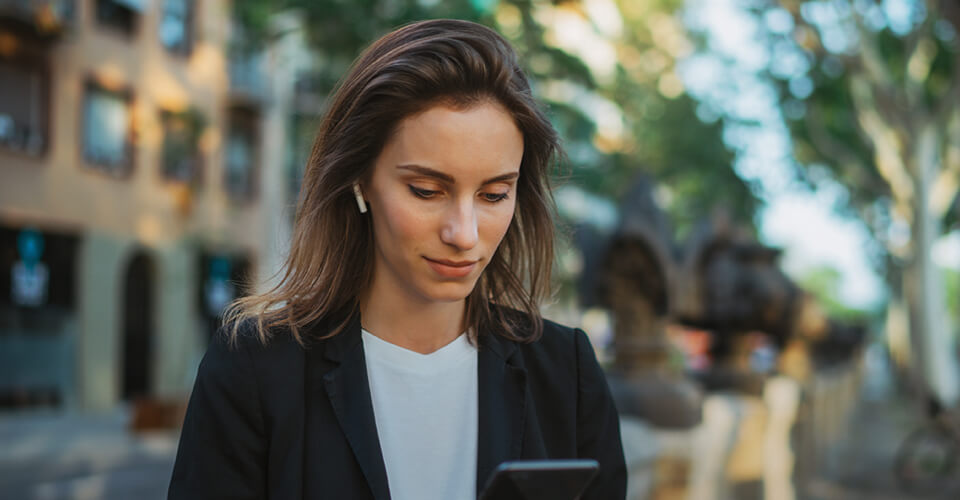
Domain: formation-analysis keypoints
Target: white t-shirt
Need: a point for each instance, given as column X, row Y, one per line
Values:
column 425, row 406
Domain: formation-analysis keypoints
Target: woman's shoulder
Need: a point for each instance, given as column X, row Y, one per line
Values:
column 524, row 325
column 556, row 335
column 561, row 364
column 557, row 343
column 243, row 344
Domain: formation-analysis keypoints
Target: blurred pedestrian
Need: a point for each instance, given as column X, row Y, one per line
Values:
column 403, row 354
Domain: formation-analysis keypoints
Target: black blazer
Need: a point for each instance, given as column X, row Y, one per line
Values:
column 283, row 422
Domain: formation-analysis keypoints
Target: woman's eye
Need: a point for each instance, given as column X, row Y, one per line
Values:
column 495, row 197
column 422, row 193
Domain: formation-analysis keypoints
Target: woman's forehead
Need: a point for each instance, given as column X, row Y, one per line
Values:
column 467, row 144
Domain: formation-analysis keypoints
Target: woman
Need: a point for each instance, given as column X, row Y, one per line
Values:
column 403, row 354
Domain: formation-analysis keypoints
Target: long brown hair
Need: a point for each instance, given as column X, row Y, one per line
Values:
column 331, row 255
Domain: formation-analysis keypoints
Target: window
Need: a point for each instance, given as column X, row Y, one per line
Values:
column 181, row 157
column 121, row 15
column 107, row 130
column 241, row 155
column 38, row 298
column 29, row 248
column 222, row 277
column 176, row 23
column 24, row 101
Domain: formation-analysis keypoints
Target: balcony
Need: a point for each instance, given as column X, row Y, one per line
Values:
column 39, row 21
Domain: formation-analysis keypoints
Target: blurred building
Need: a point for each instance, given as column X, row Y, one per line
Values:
column 145, row 172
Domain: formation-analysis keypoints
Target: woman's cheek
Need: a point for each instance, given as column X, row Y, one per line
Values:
column 500, row 222
column 406, row 218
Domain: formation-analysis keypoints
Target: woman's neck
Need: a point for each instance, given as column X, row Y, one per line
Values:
column 418, row 326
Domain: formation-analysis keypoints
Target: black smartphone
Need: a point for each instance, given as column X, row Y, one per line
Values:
column 540, row 480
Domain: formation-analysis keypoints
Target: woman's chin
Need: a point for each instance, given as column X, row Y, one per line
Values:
column 449, row 291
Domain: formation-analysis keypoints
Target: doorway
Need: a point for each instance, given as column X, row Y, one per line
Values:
column 137, row 350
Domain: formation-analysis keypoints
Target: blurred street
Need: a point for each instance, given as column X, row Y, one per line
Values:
column 862, row 467
column 48, row 456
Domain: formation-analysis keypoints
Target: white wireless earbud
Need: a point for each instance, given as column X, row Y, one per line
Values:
column 360, row 201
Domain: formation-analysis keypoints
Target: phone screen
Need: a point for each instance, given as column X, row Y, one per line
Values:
column 540, row 479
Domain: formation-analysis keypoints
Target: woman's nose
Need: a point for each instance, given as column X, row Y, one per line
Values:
column 460, row 226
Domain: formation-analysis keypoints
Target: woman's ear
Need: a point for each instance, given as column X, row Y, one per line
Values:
column 361, row 203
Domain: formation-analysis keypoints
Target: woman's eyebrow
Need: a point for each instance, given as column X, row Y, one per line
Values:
column 429, row 172
column 500, row 178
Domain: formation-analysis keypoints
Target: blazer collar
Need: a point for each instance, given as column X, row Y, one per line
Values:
column 346, row 385
column 502, row 404
column 501, row 392
column 340, row 346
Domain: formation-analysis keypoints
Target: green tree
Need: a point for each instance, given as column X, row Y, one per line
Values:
column 875, row 106
column 606, row 69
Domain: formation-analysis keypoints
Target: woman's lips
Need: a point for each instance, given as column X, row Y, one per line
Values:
column 450, row 268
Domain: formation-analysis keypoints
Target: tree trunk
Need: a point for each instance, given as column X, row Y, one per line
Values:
column 930, row 324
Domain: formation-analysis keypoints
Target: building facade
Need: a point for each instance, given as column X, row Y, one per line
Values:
column 144, row 182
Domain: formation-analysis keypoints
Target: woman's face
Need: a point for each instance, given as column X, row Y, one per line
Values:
column 441, row 196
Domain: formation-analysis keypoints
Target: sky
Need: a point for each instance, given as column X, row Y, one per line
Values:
column 802, row 222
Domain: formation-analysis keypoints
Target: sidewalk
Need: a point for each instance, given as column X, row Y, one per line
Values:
column 47, row 456
column 862, row 467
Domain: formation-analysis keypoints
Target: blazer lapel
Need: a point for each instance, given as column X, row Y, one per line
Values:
column 502, row 405
column 347, row 387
